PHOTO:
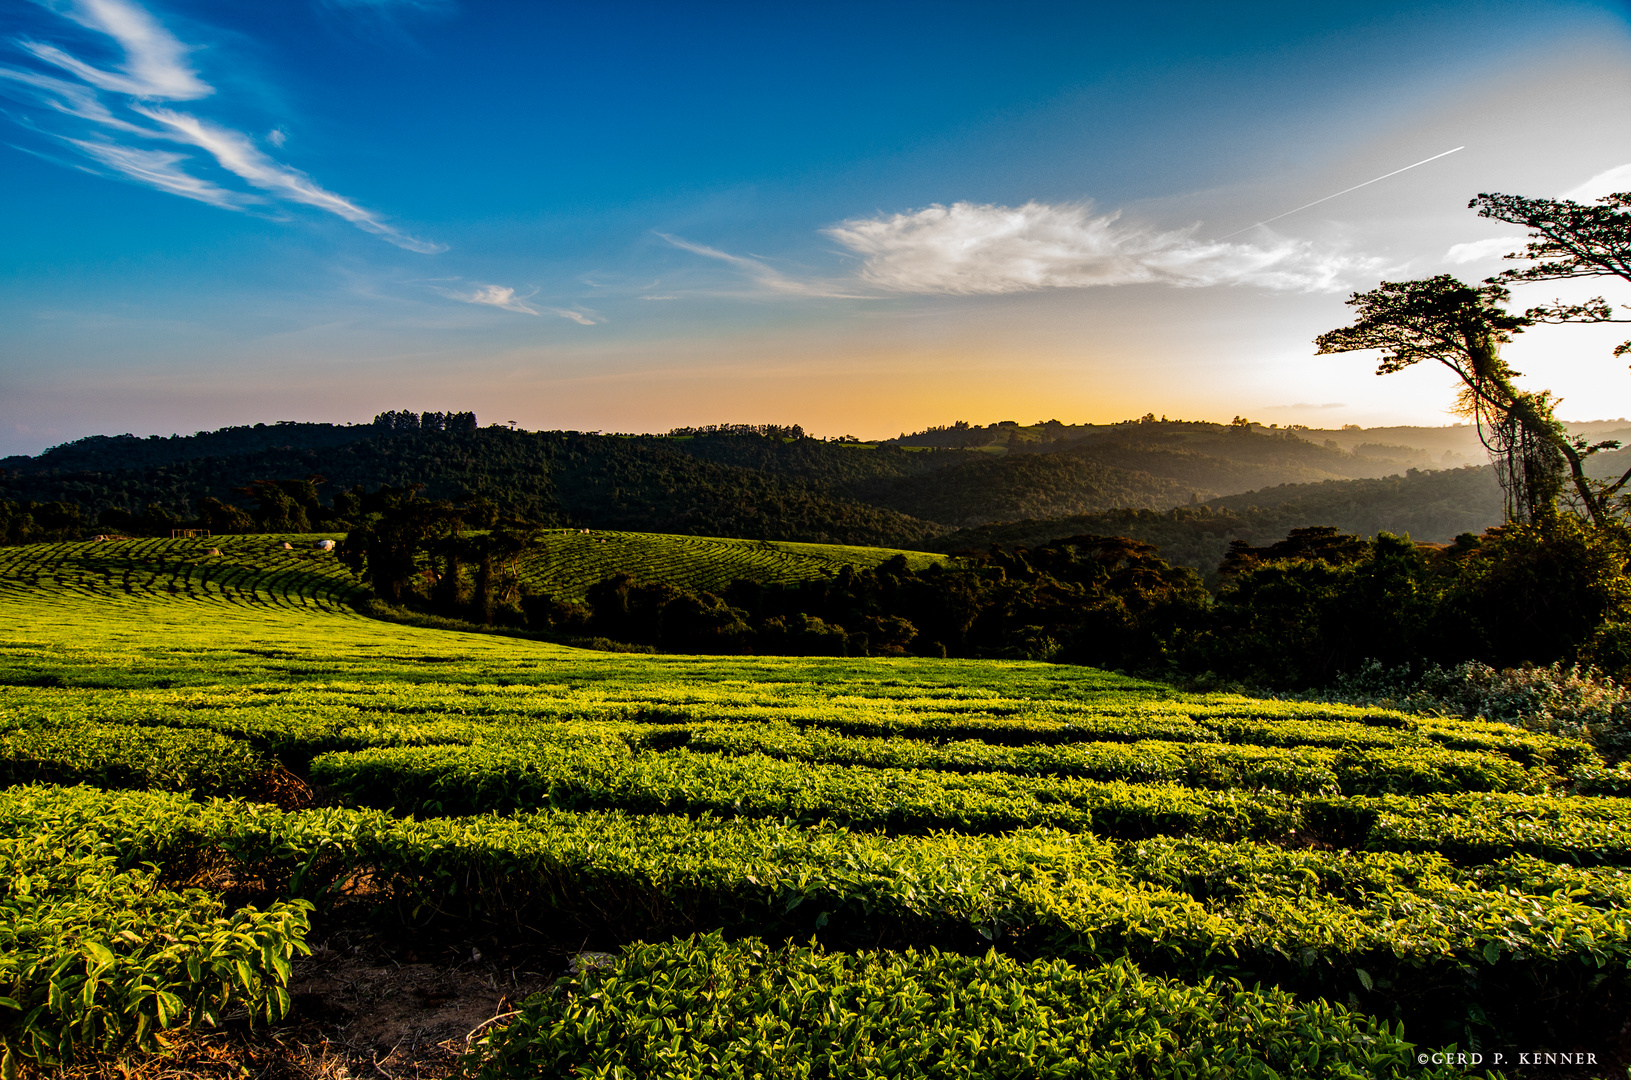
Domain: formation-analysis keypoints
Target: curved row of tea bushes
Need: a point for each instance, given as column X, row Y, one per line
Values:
column 474, row 779
column 1480, row 826
column 701, row 1007
column 1468, row 826
column 1222, row 766
column 97, row 955
column 126, row 756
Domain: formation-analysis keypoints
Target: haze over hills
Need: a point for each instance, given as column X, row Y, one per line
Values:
column 1427, row 506
column 1188, row 487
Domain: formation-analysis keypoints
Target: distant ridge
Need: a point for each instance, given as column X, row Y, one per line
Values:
column 773, row 482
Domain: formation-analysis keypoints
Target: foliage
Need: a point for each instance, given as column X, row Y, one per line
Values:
column 33, row 522
column 702, row 1007
column 119, row 756
column 1568, row 240
column 1567, row 699
column 1393, row 930
column 96, row 955
column 1306, row 610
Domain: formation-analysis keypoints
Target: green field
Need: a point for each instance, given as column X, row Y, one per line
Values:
column 258, row 570
column 918, row 867
column 573, row 559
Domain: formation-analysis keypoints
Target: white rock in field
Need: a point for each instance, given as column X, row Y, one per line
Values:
column 324, row 545
column 287, row 546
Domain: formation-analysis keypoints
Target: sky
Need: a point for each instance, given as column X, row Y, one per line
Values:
column 862, row 218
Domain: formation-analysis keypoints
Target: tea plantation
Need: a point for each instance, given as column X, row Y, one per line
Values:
column 800, row 867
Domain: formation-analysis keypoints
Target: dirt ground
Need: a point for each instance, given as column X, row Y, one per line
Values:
column 360, row 1011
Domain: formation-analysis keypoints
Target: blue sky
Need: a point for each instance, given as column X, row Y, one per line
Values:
column 862, row 218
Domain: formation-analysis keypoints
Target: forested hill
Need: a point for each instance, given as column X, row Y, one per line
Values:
column 561, row 478
column 733, row 483
column 1428, row 506
column 111, row 453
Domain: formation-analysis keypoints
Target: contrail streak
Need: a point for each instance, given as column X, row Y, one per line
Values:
column 1344, row 191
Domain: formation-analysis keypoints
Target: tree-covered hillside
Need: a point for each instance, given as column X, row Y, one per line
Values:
column 737, row 482
column 1433, row 507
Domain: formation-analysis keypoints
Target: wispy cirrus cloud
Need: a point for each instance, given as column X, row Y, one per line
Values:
column 766, row 277
column 155, row 64
column 161, row 169
column 971, row 248
column 505, row 298
column 236, row 153
column 95, row 112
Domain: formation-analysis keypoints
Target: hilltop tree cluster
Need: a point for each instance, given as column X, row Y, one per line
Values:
column 768, row 431
column 405, row 421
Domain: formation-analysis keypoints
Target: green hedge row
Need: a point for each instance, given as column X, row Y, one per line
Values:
column 507, row 777
column 297, row 723
column 125, row 756
column 1350, row 771
column 1481, row 826
column 95, row 954
column 702, row 1007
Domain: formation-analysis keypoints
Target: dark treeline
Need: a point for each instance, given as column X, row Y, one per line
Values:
column 1291, row 615
column 1296, row 613
column 37, row 523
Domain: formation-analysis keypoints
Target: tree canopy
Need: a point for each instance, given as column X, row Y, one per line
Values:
column 1568, row 240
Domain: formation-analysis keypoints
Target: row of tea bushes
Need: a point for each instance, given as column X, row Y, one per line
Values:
column 496, row 776
column 1223, row 766
column 701, row 1007
column 126, row 756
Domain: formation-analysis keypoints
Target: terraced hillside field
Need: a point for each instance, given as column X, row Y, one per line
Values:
column 262, row 571
column 229, row 796
column 571, row 560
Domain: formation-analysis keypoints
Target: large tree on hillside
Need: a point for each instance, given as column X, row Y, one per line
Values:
column 1463, row 327
column 1568, row 241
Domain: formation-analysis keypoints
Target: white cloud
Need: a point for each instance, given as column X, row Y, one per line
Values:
column 767, row 277
column 160, row 169
column 1609, row 182
column 503, row 296
column 1479, row 250
column 157, row 68
column 70, row 99
column 235, row 153
column 155, row 65
column 969, row 248
column 499, row 296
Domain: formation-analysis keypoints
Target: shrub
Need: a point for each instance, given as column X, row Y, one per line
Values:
column 701, row 1007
